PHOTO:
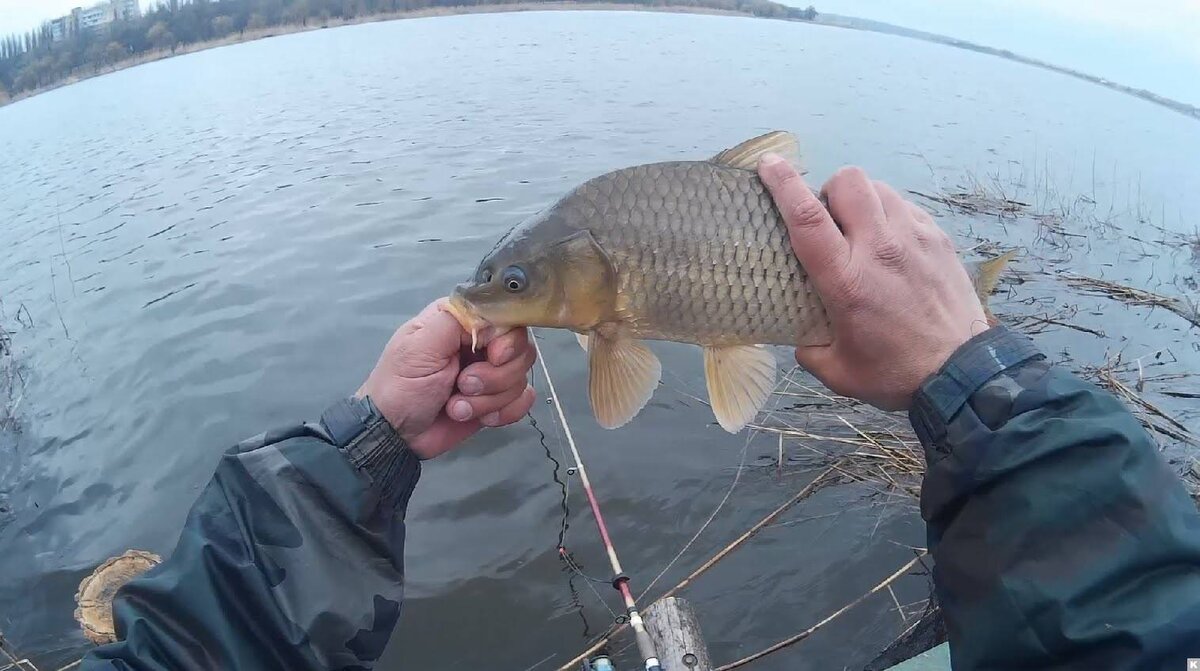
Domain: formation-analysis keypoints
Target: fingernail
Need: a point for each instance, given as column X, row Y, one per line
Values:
column 769, row 159
column 460, row 411
column 490, row 420
column 471, row 385
column 505, row 356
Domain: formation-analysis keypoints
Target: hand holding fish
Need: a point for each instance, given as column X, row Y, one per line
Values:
column 436, row 392
column 898, row 299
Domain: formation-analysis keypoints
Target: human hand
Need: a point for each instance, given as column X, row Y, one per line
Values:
column 898, row 298
column 436, row 392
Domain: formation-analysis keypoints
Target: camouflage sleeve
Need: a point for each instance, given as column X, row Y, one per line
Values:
column 292, row 558
column 1061, row 538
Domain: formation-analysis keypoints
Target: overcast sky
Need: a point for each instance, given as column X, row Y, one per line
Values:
column 1152, row 44
column 21, row 15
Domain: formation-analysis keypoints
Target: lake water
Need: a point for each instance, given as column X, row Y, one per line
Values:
column 208, row 246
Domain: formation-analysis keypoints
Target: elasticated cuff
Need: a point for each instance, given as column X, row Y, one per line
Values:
column 974, row 363
column 361, row 432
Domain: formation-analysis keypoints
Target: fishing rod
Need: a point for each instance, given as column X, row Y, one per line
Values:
column 620, row 580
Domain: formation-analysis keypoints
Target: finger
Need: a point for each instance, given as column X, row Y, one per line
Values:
column 854, row 204
column 899, row 216
column 462, row 408
column 823, row 362
column 415, row 323
column 512, row 412
column 816, row 240
column 927, row 231
column 509, row 346
column 482, row 378
column 442, row 436
column 920, row 214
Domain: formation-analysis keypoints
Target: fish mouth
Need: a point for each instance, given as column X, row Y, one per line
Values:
column 467, row 316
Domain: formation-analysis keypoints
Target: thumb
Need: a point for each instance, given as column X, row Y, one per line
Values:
column 425, row 344
column 437, row 331
column 816, row 239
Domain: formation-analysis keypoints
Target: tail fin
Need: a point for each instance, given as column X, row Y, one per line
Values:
column 985, row 275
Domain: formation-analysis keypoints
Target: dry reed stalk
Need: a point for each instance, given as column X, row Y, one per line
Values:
column 862, row 443
column 796, row 638
column 1150, row 415
column 1133, row 296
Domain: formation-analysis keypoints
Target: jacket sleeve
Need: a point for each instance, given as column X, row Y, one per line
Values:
column 1061, row 538
column 292, row 557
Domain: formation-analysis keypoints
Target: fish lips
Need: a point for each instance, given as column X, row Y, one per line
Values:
column 469, row 319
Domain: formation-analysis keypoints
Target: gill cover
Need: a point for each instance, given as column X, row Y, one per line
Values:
column 587, row 282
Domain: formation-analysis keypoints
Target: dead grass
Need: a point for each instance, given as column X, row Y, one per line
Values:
column 867, row 445
column 1110, row 374
column 976, row 201
column 862, row 443
column 1134, row 296
column 12, row 382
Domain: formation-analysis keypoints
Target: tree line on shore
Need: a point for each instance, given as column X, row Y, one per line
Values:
column 35, row 59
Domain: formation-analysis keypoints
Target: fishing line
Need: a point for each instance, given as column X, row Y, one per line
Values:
column 566, row 511
column 577, row 603
column 562, row 451
column 620, row 580
column 570, row 565
column 736, row 477
column 590, row 582
column 568, row 559
column 787, row 380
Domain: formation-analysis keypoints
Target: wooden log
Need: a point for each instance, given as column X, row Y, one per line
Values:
column 672, row 625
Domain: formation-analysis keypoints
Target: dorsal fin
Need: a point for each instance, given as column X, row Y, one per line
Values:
column 746, row 154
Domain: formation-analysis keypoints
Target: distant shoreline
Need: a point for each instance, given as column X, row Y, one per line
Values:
column 854, row 23
column 830, row 20
column 251, row 35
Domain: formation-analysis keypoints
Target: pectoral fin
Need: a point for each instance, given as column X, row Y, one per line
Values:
column 740, row 379
column 623, row 376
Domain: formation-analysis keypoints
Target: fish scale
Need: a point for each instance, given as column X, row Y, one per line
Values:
column 694, row 245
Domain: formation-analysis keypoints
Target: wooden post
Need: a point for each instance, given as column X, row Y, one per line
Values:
column 676, row 634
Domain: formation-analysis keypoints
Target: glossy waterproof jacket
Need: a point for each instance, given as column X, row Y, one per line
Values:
column 1061, row 538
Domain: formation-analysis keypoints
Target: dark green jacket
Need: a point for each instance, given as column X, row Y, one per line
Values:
column 292, row 558
column 1061, row 539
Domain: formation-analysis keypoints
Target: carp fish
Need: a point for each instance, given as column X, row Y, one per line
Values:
column 686, row 251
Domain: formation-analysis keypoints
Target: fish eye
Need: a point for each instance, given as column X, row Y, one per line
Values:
column 514, row 279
